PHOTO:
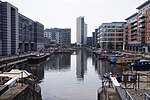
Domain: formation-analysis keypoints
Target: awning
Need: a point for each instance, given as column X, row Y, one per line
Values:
column 16, row 72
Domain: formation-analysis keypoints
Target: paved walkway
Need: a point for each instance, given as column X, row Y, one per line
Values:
column 15, row 90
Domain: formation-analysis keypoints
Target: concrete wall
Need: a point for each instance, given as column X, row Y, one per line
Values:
column 28, row 94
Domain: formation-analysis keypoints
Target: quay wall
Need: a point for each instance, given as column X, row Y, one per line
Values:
column 24, row 92
column 28, row 94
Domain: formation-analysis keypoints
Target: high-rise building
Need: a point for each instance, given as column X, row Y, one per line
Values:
column 9, row 30
column 17, row 32
column 137, row 31
column 81, row 31
column 0, row 28
column 58, row 35
column 110, row 36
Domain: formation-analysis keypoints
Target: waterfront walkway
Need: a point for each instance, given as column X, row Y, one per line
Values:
column 130, row 90
column 8, row 62
column 22, row 92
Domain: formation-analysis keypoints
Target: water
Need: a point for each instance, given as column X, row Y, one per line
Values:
column 71, row 77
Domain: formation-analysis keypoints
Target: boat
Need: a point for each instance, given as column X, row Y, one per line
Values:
column 114, row 58
column 103, row 56
column 141, row 64
column 36, row 58
column 63, row 51
column 125, row 60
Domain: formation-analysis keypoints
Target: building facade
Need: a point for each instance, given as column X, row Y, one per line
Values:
column 58, row 35
column 81, row 31
column 110, row 36
column 30, row 35
column 94, row 37
column 26, row 34
column 9, row 29
column 17, row 32
column 90, row 41
column 38, row 36
column 0, row 28
column 137, row 29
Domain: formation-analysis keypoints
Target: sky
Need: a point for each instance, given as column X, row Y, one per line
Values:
column 63, row 13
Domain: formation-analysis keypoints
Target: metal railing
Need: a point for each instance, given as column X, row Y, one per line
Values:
column 146, row 96
column 128, row 96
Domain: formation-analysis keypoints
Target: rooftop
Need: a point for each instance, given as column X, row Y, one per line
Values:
column 142, row 5
column 131, row 16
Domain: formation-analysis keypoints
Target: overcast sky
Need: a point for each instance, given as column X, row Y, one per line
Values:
column 63, row 13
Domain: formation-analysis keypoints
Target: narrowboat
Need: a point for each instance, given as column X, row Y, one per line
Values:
column 114, row 58
column 125, row 60
column 142, row 64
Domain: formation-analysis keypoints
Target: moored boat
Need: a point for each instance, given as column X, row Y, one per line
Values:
column 114, row 58
column 36, row 58
column 103, row 56
column 142, row 64
column 125, row 60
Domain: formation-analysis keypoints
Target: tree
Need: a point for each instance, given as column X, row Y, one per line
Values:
column 64, row 46
column 47, row 42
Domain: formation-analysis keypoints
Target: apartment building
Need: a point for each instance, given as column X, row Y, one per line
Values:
column 26, row 33
column 9, row 28
column 81, row 31
column 0, row 28
column 38, row 36
column 89, row 41
column 30, row 34
column 110, row 36
column 58, row 35
column 137, row 29
column 94, row 37
column 17, row 32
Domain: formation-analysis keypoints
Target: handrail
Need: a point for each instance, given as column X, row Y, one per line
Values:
column 146, row 96
column 128, row 95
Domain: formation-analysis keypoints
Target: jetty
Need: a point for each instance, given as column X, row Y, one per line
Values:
column 135, row 85
column 18, row 85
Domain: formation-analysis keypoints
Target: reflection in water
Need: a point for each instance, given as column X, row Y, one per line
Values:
column 35, row 69
column 104, row 66
column 81, row 65
column 64, row 75
column 71, row 77
column 58, row 62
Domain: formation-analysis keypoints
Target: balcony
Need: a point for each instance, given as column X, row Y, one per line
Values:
column 134, row 33
column 126, row 31
column 141, row 26
column 135, row 24
column 141, row 21
column 134, row 29
column 142, row 31
column 134, row 21
column 133, row 39
column 141, row 16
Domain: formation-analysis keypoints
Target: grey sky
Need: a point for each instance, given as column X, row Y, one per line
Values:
column 63, row 13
